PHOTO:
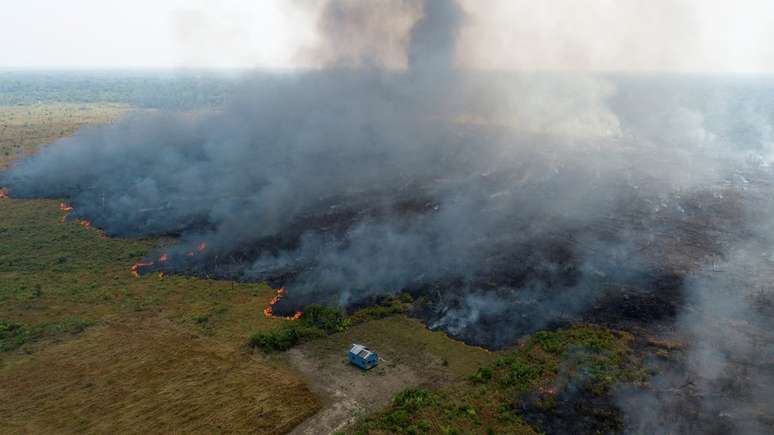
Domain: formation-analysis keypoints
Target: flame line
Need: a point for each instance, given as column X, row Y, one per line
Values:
column 269, row 310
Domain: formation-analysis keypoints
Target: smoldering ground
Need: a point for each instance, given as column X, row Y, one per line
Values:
column 511, row 201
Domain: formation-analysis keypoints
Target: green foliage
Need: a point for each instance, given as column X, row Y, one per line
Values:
column 482, row 375
column 14, row 335
column 467, row 410
column 319, row 321
column 389, row 307
column 413, row 399
column 326, row 319
column 523, row 374
column 277, row 340
column 590, row 356
column 402, row 415
column 316, row 322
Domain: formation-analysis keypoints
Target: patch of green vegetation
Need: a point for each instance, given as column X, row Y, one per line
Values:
column 320, row 321
column 52, row 269
column 402, row 415
column 389, row 307
column 316, row 322
column 545, row 364
column 14, row 335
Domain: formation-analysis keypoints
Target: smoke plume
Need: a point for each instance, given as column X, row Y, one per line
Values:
column 510, row 201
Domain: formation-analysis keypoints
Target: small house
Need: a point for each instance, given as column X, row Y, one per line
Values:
column 360, row 356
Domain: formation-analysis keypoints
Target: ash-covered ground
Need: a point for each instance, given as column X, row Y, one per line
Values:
column 506, row 203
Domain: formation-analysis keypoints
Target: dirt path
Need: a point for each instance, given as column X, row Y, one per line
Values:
column 411, row 356
column 347, row 391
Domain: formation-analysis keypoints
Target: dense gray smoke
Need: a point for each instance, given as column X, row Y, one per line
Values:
column 724, row 382
column 434, row 36
column 510, row 202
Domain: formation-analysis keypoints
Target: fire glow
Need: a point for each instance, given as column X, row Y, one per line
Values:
column 135, row 269
column 269, row 310
column 67, row 208
column 163, row 258
column 4, row 193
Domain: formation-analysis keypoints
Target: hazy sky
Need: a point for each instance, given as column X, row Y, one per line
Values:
column 713, row 36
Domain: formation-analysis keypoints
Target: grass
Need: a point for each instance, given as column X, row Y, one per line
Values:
column 24, row 128
column 148, row 375
column 14, row 335
column 87, row 347
column 52, row 271
column 545, row 365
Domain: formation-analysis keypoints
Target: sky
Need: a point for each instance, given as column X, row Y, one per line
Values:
column 705, row 36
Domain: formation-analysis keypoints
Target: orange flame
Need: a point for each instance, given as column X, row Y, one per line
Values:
column 84, row 223
column 3, row 193
column 135, row 269
column 269, row 310
column 65, row 207
column 200, row 248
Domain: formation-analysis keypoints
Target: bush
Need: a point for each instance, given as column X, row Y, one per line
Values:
column 317, row 321
column 386, row 307
column 272, row 341
column 14, row 335
column 326, row 319
column 482, row 375
column 412, row 400
column 523, row 374
column 377, row 312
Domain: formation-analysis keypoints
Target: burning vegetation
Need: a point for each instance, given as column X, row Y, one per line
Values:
column 269, row 310
column 160, row 265
column 571, row 198
column 67, row 208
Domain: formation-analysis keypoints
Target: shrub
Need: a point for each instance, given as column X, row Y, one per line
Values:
column 284, row 338
column 413, row 399
column 14, row 335
column 482, row 375
column 522, row 374
column 377, row 312
column 326, row 319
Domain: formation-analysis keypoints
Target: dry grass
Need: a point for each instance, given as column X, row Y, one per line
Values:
column 148, row 376
column 404, row 341
column 24, row 128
